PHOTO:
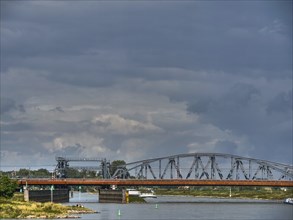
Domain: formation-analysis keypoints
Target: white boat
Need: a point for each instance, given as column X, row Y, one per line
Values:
column 289, row 201
column 148, row 195
column 133, row 192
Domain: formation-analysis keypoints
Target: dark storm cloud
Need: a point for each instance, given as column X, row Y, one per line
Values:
column 122, row 39
column 15, row 127
column 226, row 146
column 281, row 103
column 71, row 150
column 236, row 110
column 7, row 105
column 242, row 111
column 114, row 78
column 200, row 106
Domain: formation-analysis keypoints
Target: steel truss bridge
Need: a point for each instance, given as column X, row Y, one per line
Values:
column 205, row 166
column 195, row 169
column 163, row 182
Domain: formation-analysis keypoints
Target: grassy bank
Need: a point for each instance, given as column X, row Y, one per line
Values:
column 17, row 208
column 236, row 192
column 136, row 199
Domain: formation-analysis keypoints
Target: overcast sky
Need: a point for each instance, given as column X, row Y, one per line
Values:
column 136, row 80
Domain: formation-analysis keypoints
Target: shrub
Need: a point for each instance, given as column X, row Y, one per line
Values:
column 7, row 187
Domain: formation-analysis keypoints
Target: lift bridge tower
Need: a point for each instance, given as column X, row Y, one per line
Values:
column 63, row 165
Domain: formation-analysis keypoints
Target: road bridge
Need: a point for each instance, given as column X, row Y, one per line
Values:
column 209, row 166
column 198, row 166
column 194, row 169
column 162, row 182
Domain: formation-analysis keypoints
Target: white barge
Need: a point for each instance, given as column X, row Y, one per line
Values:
column 288, row 201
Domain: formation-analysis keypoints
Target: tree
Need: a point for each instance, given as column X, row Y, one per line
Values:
column 7, row 187
column 115, row 164
column 23, row 173
column 41, row 173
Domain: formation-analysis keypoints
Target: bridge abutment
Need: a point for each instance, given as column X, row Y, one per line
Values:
column 113, row 196
column 58, row 195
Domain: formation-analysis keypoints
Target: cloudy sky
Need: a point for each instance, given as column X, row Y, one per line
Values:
column 136, row 80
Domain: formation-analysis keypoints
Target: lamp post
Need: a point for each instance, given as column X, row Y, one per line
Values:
column 79, row 189
column 52, row 188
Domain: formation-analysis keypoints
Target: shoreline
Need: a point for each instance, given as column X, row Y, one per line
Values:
column 225, row 199
column 273, row 195
column 10, row 209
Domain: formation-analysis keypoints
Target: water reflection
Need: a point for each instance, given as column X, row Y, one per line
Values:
column 182, row 207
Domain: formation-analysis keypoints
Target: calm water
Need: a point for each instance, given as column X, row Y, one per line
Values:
column 181, row 207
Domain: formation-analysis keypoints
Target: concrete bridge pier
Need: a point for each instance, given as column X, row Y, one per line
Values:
column 113, row 196
column 57, row 195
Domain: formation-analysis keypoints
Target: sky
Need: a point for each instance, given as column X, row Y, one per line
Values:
column 134, row 80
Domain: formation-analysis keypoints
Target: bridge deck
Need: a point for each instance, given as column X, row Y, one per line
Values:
column 161, row 182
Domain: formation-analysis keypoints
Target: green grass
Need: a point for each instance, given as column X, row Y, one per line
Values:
column 17, row 208
column 136, row 199
column 224, row 192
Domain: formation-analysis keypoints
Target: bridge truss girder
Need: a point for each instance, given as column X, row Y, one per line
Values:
column 63, row 165
column 205, row 166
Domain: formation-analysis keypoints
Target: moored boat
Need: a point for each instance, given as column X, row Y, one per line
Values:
column 288, row 201
column 133, row 192
column 148, row 195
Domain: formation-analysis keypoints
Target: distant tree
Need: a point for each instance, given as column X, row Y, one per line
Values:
column 114, row 165
column 91, row 174
column 82, row 173
column 73, row 173
column 7, row 186
column 41, row 173
column 23, row 173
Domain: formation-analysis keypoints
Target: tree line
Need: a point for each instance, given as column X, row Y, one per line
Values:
column 8, row 183
column 70, row 172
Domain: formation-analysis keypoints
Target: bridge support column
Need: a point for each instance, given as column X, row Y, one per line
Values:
column 58, row 195
column 160, row 166
column 112, row 196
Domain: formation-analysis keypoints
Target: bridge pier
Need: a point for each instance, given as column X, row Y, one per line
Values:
column 58, row 195
column 113, row 196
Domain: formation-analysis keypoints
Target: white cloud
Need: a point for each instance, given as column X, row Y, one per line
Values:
column 275, row 27
column 83, row 143
column 13, row 160
column 119, row 125
column 134, row 149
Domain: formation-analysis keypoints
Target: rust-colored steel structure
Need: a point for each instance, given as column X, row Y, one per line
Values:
column 161, row 182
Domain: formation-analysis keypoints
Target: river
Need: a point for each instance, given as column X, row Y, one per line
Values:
column 185, row 207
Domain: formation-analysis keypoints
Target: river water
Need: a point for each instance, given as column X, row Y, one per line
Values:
column 184, row 207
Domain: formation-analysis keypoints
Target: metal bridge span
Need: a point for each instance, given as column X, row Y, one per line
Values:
column 195, row 169
column 193, row 166
column 162, row 182
column 210, row 166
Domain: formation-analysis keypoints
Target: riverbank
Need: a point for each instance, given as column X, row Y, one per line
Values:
column 235, row 192
column 16, row 208
column 136, row 199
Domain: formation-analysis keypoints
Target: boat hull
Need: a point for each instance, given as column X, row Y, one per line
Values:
column 288, row 201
